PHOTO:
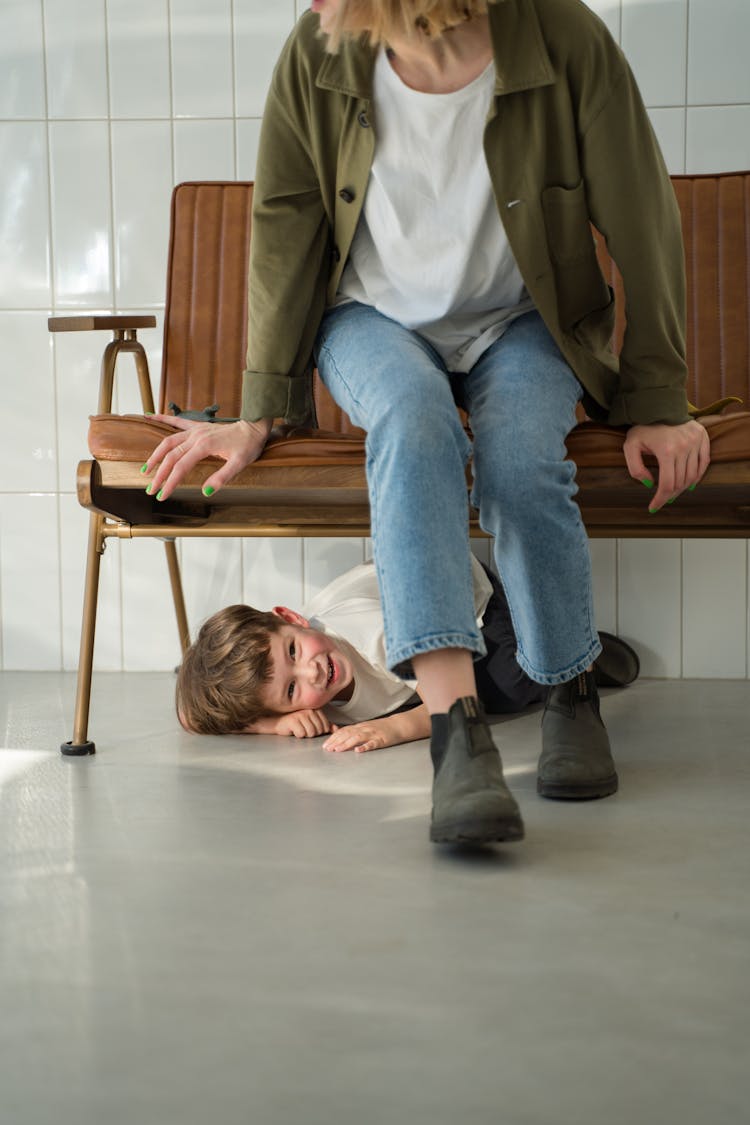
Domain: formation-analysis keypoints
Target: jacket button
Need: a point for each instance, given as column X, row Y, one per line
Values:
column 347, row 195
column 362, row 118
column 336, row 254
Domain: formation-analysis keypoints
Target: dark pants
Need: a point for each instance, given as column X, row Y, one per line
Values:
column 503, row 687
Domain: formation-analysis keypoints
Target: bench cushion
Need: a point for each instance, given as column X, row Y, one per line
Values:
column 132, row 437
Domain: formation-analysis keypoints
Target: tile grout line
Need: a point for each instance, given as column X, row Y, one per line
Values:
column 687, row 89
column 55, row 368
column 233, row 63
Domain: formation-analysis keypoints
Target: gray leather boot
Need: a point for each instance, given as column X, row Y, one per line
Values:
column 470, row 801
column 576, row 762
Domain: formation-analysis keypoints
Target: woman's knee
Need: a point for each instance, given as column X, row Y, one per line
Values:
column 419, row 428
column 517, row 481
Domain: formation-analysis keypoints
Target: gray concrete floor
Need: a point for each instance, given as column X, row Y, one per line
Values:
column 251, row 930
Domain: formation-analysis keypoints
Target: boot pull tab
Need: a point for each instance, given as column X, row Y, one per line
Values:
column 470, row 707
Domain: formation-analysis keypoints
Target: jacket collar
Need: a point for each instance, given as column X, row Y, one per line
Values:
column 522, row 61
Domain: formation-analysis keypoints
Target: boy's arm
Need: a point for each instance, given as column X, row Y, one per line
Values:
column 299, row 724
column 375, row 734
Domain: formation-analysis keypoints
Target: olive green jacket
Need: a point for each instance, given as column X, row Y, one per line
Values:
column 567, row 142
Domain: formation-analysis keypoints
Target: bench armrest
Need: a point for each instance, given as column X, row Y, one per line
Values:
column 95, row 322
column 124, row 339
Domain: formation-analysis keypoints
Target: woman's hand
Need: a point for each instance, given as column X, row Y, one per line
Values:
column 237, row 443
column 683, row 454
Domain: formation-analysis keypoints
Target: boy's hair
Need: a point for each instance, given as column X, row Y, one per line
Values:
column 380, row 21
column 220, row 679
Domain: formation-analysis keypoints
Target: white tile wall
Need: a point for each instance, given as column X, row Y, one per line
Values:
column 75, row 46
column 21, row 59
column 604, row 572
column 30, row 441
column 259, row 34
column 204, row 150
column 142, row 179
column 104, row 105
column 273, row 573
column 212, row 575
column 139, row 63
column 202, row 62
column 30, row 590
column 669, row 126
column 81, row 210
column 714, row 608
column 718, row 137
column 649, row 603
column 24, row 216
column 717, row 57
column 654, row 37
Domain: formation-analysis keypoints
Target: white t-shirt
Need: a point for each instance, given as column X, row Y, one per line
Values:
column 349, row 609
column 430, row 250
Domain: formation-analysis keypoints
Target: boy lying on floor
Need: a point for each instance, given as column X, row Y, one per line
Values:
column 251, row 672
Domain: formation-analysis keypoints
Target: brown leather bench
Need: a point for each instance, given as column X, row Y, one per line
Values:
column 310, row 483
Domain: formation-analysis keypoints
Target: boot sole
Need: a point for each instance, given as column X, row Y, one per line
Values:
column 477, row 832
column 581, row 791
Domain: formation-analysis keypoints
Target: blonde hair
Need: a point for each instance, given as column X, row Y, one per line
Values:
column 222, row 674
column 380, row 21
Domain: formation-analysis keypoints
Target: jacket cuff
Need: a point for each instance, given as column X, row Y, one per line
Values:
column 268, row 394
column 644, row 406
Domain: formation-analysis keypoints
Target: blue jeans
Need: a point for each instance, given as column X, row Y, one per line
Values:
column 520, row 397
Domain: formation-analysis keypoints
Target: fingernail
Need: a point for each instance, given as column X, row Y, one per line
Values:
column 148, row 414
column 144, row 468
column 160, row 494
column 148, row 488
column 653, row 511
column 208, row 490
column 648, row 482
column 672, row 500
column 692, row 488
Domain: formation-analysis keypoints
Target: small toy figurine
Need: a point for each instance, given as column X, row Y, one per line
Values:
column 208, row 414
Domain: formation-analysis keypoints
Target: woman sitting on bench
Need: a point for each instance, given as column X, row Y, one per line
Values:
column 427, row 175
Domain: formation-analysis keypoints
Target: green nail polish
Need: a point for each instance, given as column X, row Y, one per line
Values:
column 653, row 511
column 160, row 494
column 144, row 468
column 672, row 500
column 692, row 488
column 208, row 490
column 648, row 482
column 148, row 489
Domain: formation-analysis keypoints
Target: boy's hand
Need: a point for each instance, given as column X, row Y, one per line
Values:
column 298, row 724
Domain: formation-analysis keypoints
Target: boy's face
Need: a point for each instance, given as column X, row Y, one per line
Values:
column 308, row 670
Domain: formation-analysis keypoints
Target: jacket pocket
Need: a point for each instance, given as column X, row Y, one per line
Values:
column 583, row 296
column 566, row 218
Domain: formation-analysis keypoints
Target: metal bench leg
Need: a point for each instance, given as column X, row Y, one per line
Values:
column 177, row 595
column 80, row 745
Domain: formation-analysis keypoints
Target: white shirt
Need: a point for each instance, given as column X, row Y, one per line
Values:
column 349, row 609
column 430, row 250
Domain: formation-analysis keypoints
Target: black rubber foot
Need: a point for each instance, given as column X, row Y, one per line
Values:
column 77, row 749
